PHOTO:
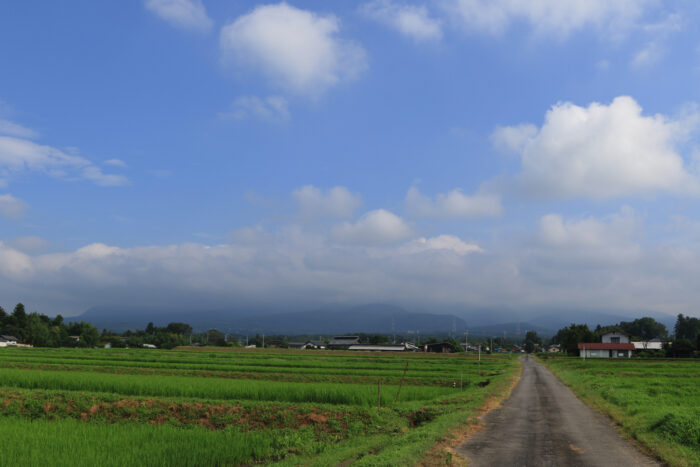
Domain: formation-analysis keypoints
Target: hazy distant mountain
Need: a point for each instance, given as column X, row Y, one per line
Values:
column 373, row 318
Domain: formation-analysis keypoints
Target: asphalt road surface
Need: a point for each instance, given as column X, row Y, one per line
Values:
column 543, row 423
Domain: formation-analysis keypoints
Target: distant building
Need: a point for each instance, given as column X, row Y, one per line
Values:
column 405, row 347
column 298, row 345
column 605, row 350
column 439, row 347
column 149, row 346
column 654, row 344
column 615, row 344
column 10, row 341
column 343, row 342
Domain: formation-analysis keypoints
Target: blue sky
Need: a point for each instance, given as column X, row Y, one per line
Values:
column 456, row 153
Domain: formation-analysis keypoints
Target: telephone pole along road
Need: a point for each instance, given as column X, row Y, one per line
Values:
column 543, row 423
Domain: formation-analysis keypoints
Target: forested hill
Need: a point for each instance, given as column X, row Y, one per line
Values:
column 367, row 318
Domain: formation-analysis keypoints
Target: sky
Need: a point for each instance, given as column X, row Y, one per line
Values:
column 445, row 155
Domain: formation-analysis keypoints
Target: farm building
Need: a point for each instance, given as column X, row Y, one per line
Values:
column 405, row 347
column 343, row 342
column 306, row 345
column 439, row 347
column 653, row 344
column 297, row 345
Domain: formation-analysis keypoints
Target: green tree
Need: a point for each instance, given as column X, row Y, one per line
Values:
column 20, row 316
column 687, row 328
column 570, row 336
column 179, row 328
column 532, row 341
column 681, row 348
column 37, row 332
column 644, row 328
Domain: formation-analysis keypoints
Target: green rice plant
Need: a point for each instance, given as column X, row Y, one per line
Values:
column 175, row 386
column 73, row 443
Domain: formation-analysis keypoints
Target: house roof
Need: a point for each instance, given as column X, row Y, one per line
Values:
column 604, row 346
column 9, row 338
column 345, row 340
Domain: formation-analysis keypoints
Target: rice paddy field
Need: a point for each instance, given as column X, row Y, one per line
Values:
column 656, row 402
column 239, row 407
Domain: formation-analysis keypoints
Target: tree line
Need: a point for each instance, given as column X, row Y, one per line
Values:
column 41, row 331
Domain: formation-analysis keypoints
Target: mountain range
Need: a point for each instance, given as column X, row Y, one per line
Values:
column 369, row 318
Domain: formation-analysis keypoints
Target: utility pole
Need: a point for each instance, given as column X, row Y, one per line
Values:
column 263, row 340
column 466, row 340
column 393, row 328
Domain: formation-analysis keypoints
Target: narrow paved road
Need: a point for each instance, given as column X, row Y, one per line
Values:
column 543, row 423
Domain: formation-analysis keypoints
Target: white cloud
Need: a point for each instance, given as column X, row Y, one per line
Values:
column 296, row 49
column 115, row 163
column 14, row 264
column 18, row 155
column 185, row 14
column 650, row 54
column 95, row 175
column 513, row 138
column 591, row 239
column 605, row 151
column 655, row 49
column 271, row 108
column 553, row 17
column 378, row 227
column 452, row 205
column 11, row 206
column 14, row 129
column 565, row 262
column 410, row 20
column 335, row 202
column 442, row 243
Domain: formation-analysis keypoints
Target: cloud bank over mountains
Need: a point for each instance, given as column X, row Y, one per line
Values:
column 327, row 252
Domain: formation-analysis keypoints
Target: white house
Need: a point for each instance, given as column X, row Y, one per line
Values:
column 616, row 344
column 8, row 341
column 615, row 337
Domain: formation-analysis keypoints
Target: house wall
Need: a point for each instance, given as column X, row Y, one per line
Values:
column 607, row 338
column 605, row 353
